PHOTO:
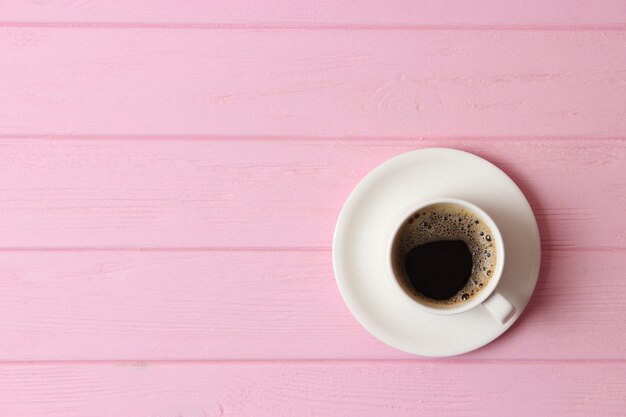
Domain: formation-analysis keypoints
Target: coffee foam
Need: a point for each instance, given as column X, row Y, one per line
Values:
column 447, row 222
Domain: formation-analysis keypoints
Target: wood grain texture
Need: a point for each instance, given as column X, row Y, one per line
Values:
column 88, row 193
column 349, row 389
column 140, row 81
column 323, row 12
column 266, row 305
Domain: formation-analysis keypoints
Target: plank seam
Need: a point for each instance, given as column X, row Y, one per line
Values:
column 267, row 138
column 413, row 361
column 250, row 249
column 167, row 249
column 317, row 26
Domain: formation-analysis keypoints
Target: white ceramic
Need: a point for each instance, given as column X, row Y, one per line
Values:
column 495, row 303
column 360, row 252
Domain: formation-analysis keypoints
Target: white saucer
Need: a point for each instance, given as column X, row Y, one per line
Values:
column 359, row 249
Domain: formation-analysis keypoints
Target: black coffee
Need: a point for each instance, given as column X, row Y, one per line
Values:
column 444, row 255
column 440, row 269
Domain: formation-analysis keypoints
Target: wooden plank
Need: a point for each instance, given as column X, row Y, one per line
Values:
column 141, row 81
column 257, row 193
column 323, row 13
column 315, row 389
column 137, row 305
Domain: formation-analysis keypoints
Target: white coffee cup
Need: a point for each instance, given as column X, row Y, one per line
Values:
column 488, row 297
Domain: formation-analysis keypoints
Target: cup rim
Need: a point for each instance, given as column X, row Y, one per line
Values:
column 493, row 281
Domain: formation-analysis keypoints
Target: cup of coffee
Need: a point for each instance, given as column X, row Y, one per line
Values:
column 447, row 256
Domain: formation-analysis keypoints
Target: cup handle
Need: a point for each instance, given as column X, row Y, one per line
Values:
column 499, row 307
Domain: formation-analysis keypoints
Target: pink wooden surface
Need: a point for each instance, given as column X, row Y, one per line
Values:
column 216, row 193
column 353, row 388
column 169, row 305
column 161, row 159
column 313, row 82
column 322, row 13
